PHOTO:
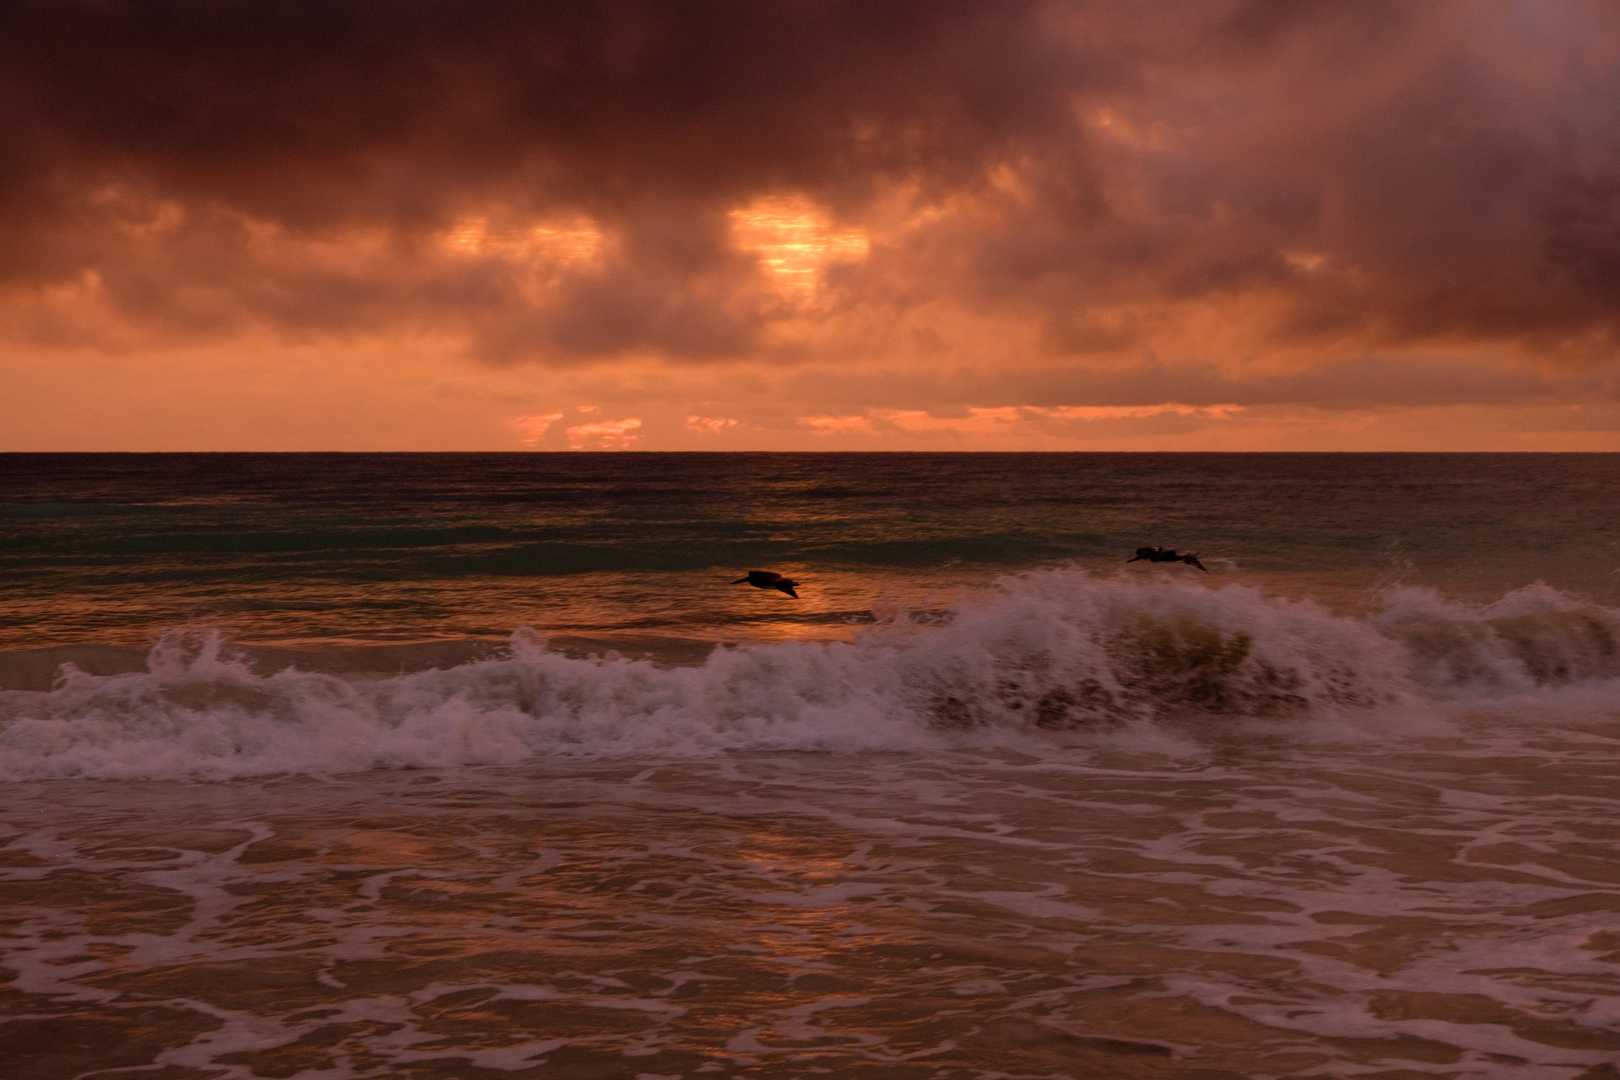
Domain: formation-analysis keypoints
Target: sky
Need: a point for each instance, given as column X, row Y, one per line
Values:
column 810, row 225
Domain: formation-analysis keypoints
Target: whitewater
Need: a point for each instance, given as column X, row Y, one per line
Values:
column 449, row 766
column 1059, row 653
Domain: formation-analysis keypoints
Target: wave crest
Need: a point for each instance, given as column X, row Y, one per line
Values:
column 1055, row 651
column 1531, row 639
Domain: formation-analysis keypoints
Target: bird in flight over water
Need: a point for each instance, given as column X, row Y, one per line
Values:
column 769, row 579
column 1164, row 554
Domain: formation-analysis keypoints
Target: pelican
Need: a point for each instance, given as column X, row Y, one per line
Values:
column 1164, row 554
column 769, row 579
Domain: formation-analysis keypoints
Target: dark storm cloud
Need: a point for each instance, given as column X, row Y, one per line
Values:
column 651, row 117
column 1373, row 174
column 328, row 112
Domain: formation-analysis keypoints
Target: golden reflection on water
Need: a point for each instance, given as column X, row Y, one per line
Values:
column 1285, row 913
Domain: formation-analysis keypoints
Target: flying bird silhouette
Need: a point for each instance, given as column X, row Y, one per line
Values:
column 769, row 579
column 1164, row 554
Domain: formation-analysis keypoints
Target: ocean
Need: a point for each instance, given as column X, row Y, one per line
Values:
column 479, row 766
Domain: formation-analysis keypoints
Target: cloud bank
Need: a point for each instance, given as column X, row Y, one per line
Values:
column 762, row 212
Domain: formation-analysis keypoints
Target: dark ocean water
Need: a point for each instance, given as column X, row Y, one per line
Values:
column 359, row 549
column 478, row 765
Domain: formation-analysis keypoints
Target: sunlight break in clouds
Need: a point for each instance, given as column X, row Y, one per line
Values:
column 603, row 435
column 1314, row 224
column 794, row 242
column 710, row 425
column 531, row 429
column 575, row 242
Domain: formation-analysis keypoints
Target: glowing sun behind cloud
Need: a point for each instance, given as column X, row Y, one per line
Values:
column 565, row 243
column 1053, row 224
column 794, row 242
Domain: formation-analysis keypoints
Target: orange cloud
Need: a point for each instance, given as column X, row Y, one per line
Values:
column 916, row 222
column 603, row 435
column 533, row 428
column 794, row 242
column 710, row 425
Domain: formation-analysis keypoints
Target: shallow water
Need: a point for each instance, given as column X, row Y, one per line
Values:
column 1239, row 910
column 476, row 766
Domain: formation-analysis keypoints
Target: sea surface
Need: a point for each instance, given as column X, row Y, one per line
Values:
column 479, row 766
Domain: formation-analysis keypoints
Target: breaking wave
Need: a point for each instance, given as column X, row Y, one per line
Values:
column 1036, row 655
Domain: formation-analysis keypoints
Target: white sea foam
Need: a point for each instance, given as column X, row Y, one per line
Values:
column 1052, row 654
column 1531, row 640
